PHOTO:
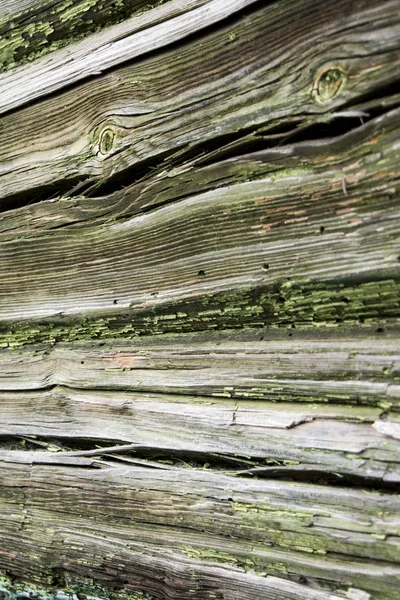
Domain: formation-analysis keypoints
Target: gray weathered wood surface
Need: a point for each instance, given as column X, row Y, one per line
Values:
column 199, row 299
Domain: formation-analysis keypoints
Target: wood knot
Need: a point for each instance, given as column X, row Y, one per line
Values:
column 328, row 84
column 106, row 141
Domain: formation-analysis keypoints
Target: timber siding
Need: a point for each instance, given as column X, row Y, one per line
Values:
column 199, row 300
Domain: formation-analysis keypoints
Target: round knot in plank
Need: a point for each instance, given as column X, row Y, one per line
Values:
column 328, row 84
column 106, row 141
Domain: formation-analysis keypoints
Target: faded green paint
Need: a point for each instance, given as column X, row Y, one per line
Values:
column 34, row 33
column 20, row 40
column 247, row 563
column 263, row 566
column 72, row 10
column 209, row 555
column 271, row 525
column 289, row 305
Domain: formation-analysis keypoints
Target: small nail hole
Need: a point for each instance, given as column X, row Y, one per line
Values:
column 322, row 229
column 265, row 267
column 201, row 273
column 115, row 302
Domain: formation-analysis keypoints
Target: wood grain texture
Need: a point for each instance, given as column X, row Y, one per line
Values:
column 251, row 74
column 279, row 441
column 360, row 369
column 249, row 236
column 136, row 520
column 146, row 33
column 199, row 300
column 33, row 28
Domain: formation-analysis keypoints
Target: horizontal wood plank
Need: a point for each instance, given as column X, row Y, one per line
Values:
column 257, row 73
column 284, row 440
column 250, row 235
column 199, row 300
column 30, row 29
column 150, row 31
column 135, row 523
column 348, row 369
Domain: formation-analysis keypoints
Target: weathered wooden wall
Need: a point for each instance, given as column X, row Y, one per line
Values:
column 199, row 299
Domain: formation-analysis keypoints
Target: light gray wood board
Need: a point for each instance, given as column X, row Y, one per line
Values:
column 30, row 29
column 154, row 527
column 286, row 438
column 260, row 71
column 109, row 48
column 149, row 259
column 353, row 368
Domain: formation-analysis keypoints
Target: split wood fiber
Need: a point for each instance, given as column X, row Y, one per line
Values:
column 199, row 300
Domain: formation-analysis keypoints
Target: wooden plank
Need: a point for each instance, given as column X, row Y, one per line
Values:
column 249, row 236
column 264, row 72
column 303, row 441
column 30, row 29
column 199, row 300
column 349, row 369
column 134, row 523
column 115, row 45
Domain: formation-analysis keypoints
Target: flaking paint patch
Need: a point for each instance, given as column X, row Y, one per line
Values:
column 26, row 39
column 21, row 39
column 71, row 10
column 301, row 305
